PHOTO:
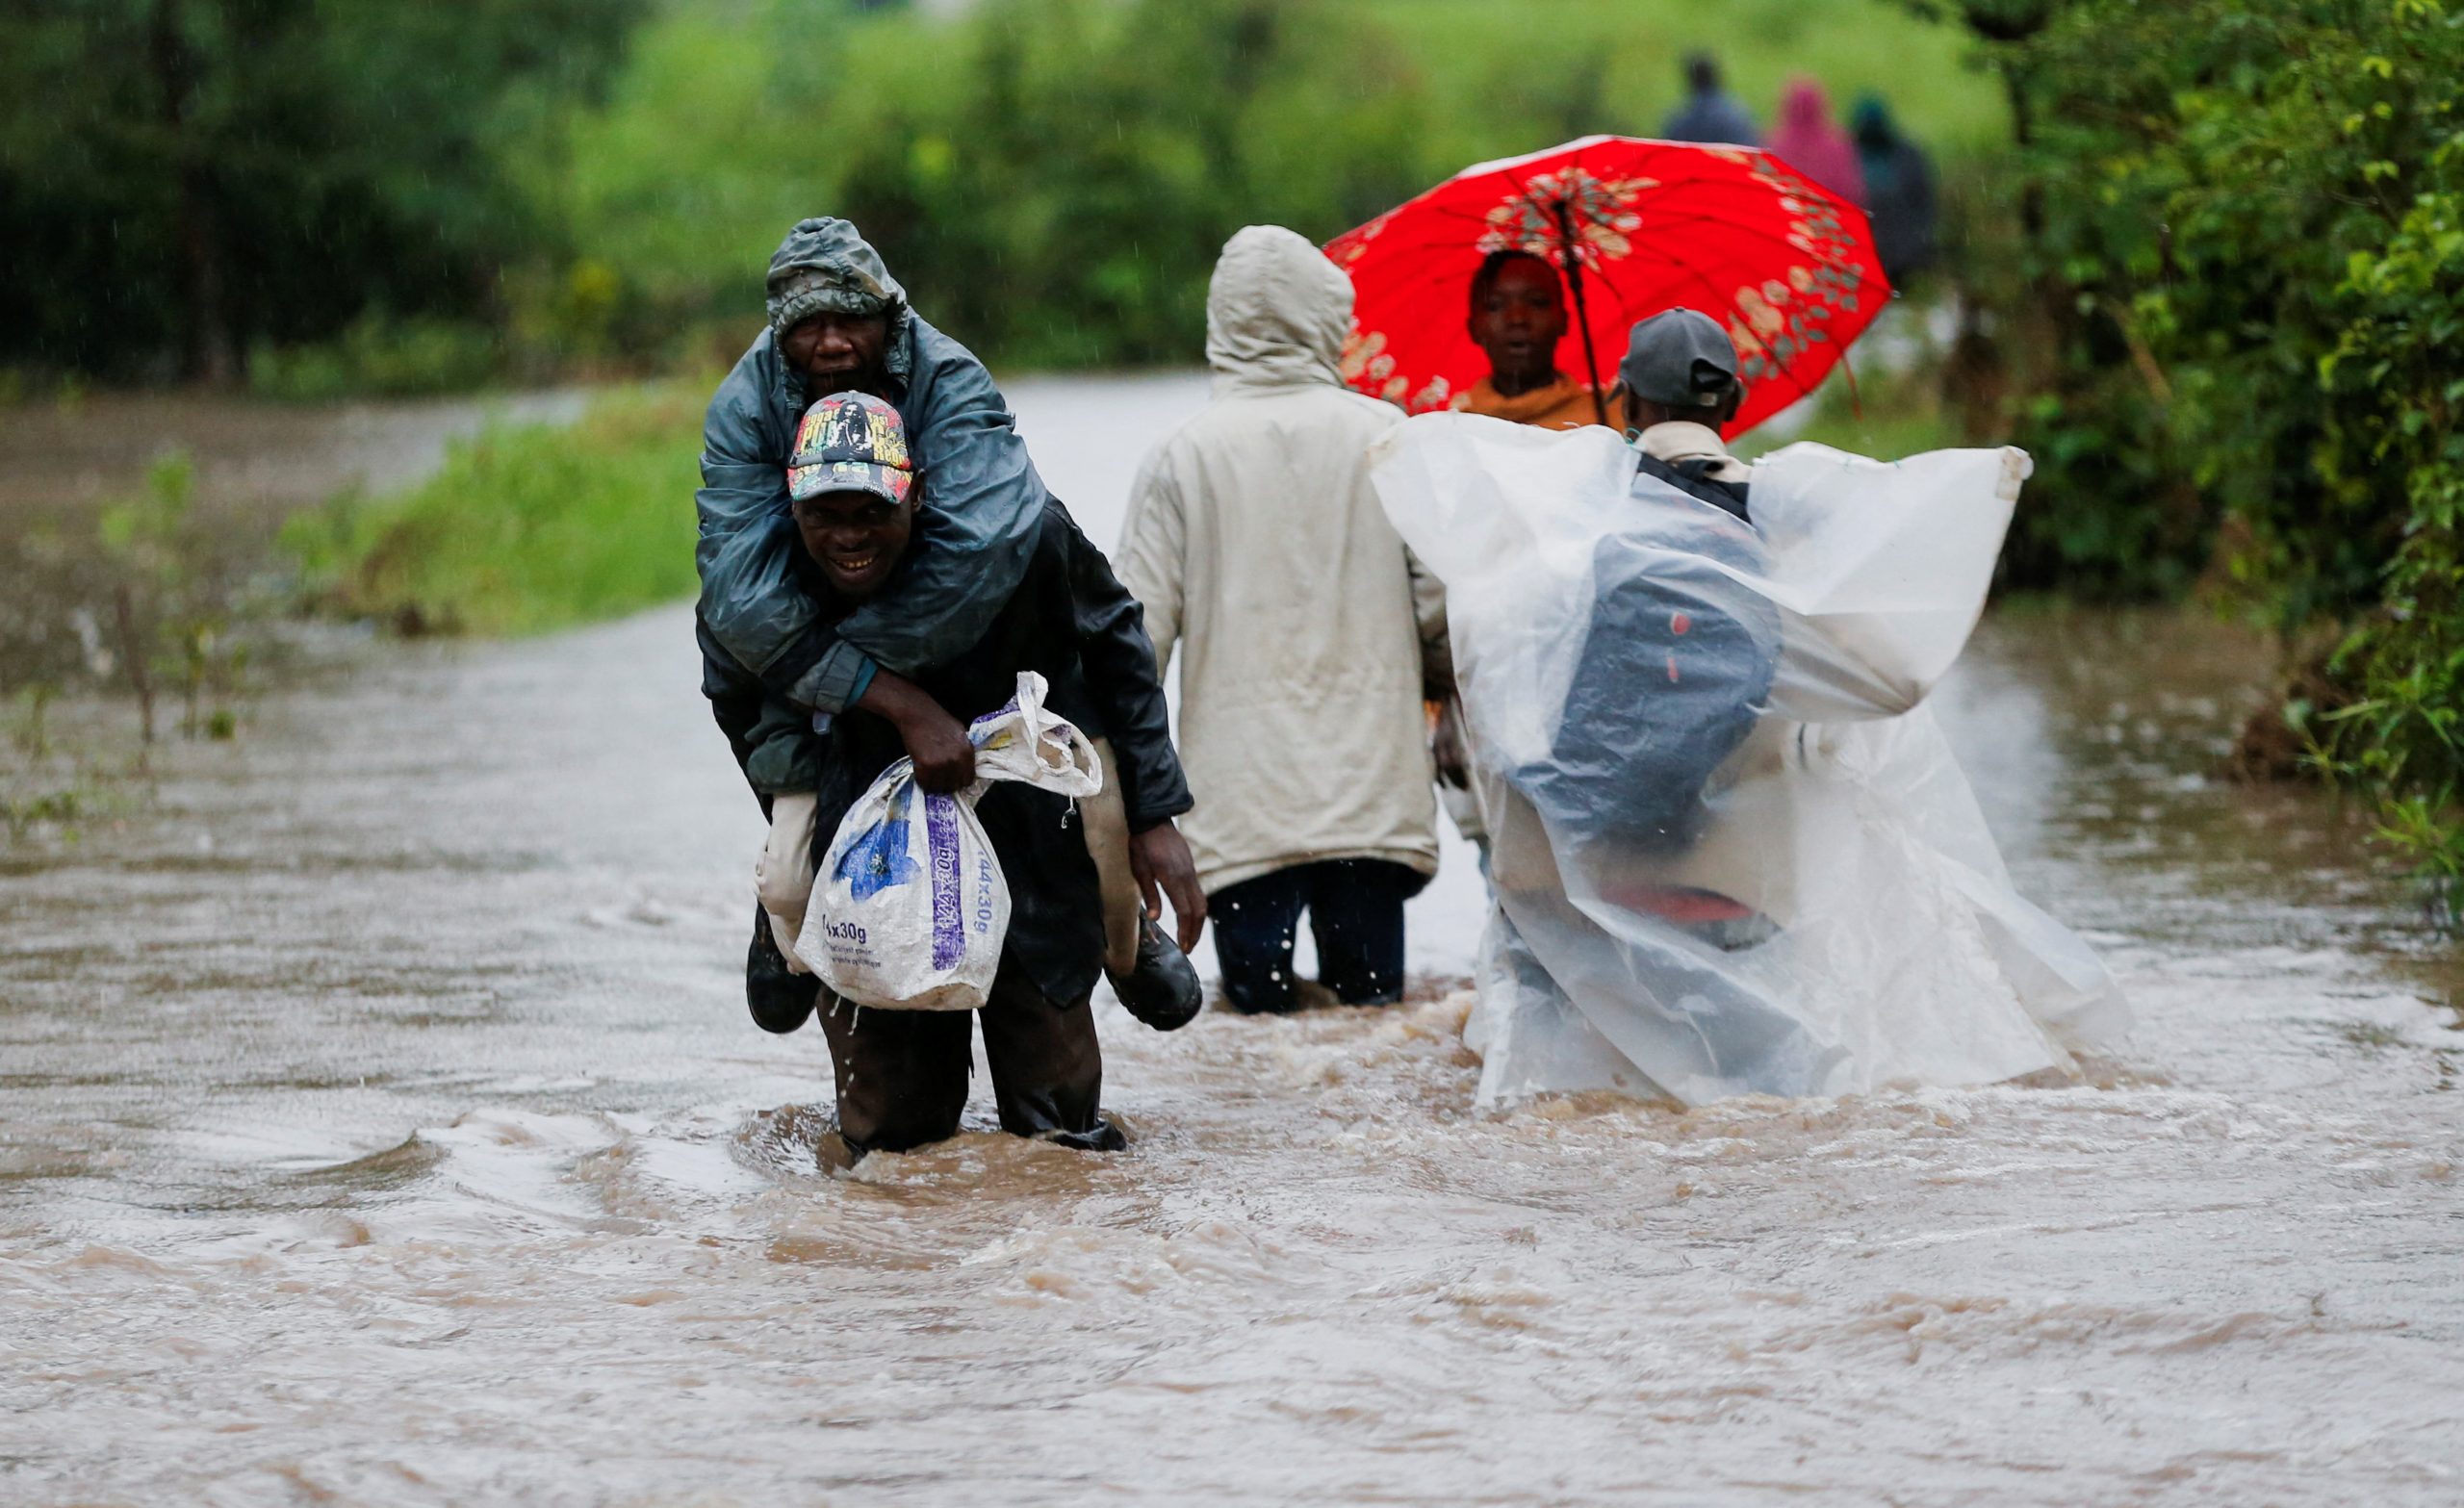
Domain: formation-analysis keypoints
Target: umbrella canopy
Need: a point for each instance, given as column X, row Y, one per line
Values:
column 1637, row 227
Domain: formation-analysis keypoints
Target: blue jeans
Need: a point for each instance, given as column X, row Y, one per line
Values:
column 1355, row 909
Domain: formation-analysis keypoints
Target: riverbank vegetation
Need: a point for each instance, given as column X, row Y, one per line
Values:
column 526, row 528
column 2222, row 308
column 1055, row 177
column 190, row 185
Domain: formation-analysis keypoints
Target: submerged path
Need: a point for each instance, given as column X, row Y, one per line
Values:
column 380, row 1123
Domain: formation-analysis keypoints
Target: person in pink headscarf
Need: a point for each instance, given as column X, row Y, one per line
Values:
column 1808, row 142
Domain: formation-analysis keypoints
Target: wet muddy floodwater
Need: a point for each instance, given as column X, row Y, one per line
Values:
column 380, row 1123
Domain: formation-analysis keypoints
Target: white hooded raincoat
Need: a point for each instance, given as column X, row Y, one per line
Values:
column 1261, row 553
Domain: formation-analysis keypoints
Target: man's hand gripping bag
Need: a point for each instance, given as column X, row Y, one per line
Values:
column 910, row 909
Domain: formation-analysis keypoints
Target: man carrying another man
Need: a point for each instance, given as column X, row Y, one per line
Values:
column 840, row 323
column 901, row 1074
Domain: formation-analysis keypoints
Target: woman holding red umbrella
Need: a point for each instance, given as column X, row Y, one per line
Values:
column 1518, row 318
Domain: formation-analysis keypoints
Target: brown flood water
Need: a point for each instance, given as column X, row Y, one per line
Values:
column 380, row 1123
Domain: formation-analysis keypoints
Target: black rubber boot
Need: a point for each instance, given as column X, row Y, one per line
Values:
column 1105, row 1137
column 1163, row 990
column 780, row 1001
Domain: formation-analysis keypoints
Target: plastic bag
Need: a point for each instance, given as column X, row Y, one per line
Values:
column 1730, row 849
column 910, row 909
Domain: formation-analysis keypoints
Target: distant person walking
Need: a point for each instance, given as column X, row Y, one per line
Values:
column 1808, row 142
column 1306, row 647
column 1710, row 113
column 1518, row 318
column 1899, row 191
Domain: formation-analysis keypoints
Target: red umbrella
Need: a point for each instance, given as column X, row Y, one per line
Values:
column 1637, row 227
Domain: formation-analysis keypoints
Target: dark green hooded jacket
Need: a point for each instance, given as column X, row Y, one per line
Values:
column 982, row 507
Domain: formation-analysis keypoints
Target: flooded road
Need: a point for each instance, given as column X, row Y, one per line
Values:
column 380, row 1123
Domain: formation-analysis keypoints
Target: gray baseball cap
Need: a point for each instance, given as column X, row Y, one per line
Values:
column 1681, row 358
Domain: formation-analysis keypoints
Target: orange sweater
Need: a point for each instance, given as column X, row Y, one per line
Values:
column 1563, row 404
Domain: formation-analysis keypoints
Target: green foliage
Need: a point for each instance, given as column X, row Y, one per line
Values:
column 2193, row 180
column 528, row 527
column 378, row 355
column 1064, row 203
column 172, row 623
column 55, row 790
column 2397, row 391
column 326, row 198
column 1885, row 414
column 1053, row 178
column 2237, row 300
column 185, row 179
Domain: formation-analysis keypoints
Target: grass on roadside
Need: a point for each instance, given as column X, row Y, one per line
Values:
column 526, row 528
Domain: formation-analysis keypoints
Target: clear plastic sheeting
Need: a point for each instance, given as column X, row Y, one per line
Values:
column 1731, row 852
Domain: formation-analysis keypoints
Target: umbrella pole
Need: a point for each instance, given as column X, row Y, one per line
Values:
column 1582, row 314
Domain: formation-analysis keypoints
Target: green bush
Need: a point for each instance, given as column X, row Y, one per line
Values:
column 2235, row 302
column 2399, row 392
column 384, row 356
column 528, row 527
column 183, row 180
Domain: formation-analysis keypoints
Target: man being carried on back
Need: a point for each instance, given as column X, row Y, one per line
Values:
column 840, row 323
column 901, row 1074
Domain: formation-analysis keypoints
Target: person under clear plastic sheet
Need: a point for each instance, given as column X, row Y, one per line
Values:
column 1731, row 852
column 1626, row 773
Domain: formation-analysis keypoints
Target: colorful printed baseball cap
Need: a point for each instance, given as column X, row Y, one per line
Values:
column 850, row 442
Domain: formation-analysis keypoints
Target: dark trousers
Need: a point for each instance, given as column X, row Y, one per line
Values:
column 1355, row 909
column 902, row 1075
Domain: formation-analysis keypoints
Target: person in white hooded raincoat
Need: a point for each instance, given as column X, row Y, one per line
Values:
column 1307, row 640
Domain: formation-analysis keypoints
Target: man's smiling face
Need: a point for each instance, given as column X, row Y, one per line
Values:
column 855, row 537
